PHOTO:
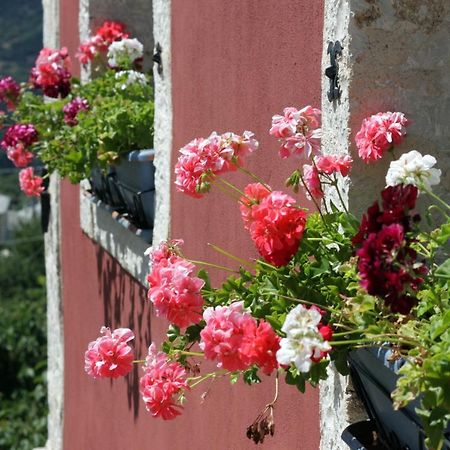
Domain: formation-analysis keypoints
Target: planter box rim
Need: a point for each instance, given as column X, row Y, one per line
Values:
column 144, row 155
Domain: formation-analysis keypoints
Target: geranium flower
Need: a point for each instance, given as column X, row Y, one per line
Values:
column 30, row 184
column 130, row 77
column 20, row 133
column 162, row 380
column 201, row 160
column 105, row 35
column 254, row 193
column 19, row 155
column 312, row 182
column 9, row 92
column 330, row 164
column 51, row 72
column 298, row 131
column 110, row 355
column 72, row 109
column 124, row 53
column 174, row 291
column 304, row 343
column 237, row 341
column 413, row 168
column 379, row 133
column 277, row 227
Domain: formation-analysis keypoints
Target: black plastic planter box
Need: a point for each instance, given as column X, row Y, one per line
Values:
column 129, row 187
column 375, row 377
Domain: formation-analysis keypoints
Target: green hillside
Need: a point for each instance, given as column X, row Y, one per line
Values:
column 21, row 32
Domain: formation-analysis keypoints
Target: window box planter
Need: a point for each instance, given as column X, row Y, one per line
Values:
column 129, row 187
column 375, row 377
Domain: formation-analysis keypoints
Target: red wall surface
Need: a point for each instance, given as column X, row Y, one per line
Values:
column 234, row 65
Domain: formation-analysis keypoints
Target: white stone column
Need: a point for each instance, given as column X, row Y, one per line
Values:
column 163, row 119
column 55, row 331
column 395, row 58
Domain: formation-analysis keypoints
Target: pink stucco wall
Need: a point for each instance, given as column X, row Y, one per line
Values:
column 234, row 65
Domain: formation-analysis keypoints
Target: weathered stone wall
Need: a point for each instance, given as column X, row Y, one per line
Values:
column 396, row 58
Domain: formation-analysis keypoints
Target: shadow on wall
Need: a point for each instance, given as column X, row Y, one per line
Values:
column 125, row 306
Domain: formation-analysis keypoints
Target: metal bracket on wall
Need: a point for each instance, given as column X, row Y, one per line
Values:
column 332, row 72
column 157, row 57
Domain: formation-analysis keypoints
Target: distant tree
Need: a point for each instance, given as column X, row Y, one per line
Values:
column 23, row 346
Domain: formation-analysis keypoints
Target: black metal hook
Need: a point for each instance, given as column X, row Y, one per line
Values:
column 332, row 72
column 157, row 57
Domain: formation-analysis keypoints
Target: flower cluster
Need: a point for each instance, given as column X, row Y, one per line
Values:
column 306, row 338
column 130, row 77
column 322, row 167
column 379, row 133
column 17, row 141
column 275, row 222
column 9, row 92
column 31, row 184
column 298, row 131
column 162, row 380
column 51, row 72
column 174, row 290
column 105, row 35
column 413, row 168
column 387, row 263
column 203, row 159
column 110, row 355
column 72, row 109
column 235, row 339
column 124, row 53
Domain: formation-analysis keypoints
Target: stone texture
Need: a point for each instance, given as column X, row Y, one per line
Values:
column 395, row 58
column 163, row 120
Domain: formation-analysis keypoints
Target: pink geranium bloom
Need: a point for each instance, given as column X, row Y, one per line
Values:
column 9, row 92
column 330, row 164
column 201, row 160
column 254, row 193
column 162, row 380
column 380, row 133
column 223, row 336
column 260, row 345
column 298, row 131
column 51, row 72
column 312, row 182
column 72, row 109
column 30, row 184
column 20, row 133
column 236, row 340
column 110, row 355
column 277, row 227
column 174, row 291
column 19, row 155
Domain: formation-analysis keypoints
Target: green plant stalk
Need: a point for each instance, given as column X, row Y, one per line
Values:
column 216, row 266
column 230, row 255
column 255, row 177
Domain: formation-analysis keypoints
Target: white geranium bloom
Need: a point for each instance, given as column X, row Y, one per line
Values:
column 413, row 168
column 300, row 351
column 124, row 52
column 301, row 321
column 132, row 77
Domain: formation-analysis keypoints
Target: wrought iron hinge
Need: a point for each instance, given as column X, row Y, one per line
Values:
column 332, row 72
column 157, row 57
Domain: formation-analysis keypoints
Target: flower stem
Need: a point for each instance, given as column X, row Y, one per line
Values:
column 186, row 353
column 216, row 266
column 255, row 177
column 139, row 361
column 438, row 199
column 230, row 255
column 203, row 378
column 335, row 184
